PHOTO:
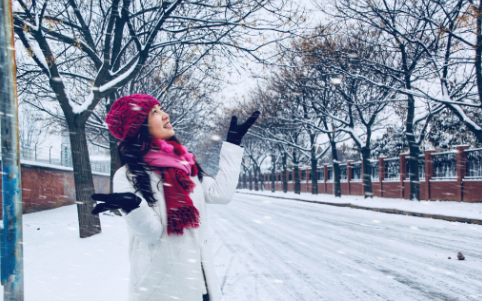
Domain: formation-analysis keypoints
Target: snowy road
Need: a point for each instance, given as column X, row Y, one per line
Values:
column 271, row 249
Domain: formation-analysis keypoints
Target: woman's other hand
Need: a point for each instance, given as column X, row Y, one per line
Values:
column 236, row 132
column 126, row 201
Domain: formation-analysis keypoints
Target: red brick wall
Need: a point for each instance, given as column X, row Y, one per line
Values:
column 377, row 189
column 456, row 190
column 48, row 188
column 423, row 189
column 56, row 188
column 392, row 189
column 444, row 190
column 329, row 188
column 472, row 191
column 345, row 189
column 356, row 188
column 321, row 187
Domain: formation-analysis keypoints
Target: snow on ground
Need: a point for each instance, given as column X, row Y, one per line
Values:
column 271, row 249
column 455, row 209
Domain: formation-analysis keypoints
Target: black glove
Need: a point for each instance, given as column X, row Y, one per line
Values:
column 126, row 201
column 236, row 132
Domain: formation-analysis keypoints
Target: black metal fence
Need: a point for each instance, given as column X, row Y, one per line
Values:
column 392, row 169
column 343, row 173
column 356, row 171
column 444, row 166
column 421, row 168
column 474, row 163
column 375, row 170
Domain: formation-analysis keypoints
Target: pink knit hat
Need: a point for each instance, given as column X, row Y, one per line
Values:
column 128, row 113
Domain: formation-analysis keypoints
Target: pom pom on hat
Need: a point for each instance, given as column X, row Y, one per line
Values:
column 128, row 113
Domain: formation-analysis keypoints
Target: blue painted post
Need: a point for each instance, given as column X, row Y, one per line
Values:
column 11, row 246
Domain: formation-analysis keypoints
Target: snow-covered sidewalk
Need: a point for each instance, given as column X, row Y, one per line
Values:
column 449, row 209
column 270, row 249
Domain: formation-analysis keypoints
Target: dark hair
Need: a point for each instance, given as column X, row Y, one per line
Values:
column 132, row 151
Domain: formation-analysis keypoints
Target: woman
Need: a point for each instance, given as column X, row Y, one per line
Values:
column 161, row 192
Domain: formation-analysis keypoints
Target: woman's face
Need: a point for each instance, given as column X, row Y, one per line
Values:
column 159, row 124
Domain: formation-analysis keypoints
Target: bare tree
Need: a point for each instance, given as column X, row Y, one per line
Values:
column 396, row 28
column 360, row 104
column 86, row 51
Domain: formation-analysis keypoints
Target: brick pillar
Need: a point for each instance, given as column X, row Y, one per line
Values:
column 348, row 174
column 308, row 186
column 363, row 179
column 461, row 167
column 325, row 170
column 381, row 173
column 403, row 173
column 267, row 181
column 278, row 179
column 428, row 172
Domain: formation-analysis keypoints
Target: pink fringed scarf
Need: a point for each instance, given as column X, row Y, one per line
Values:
column 177, row 165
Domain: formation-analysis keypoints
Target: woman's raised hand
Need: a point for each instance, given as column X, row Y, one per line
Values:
column 236, row 132
column 126, row 201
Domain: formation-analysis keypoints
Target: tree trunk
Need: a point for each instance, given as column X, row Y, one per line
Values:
column 256, row 178
column 336, row 170
column 273, row 173
column 367, row 173
column 314, row 176
column 261, row 179
column 285, row 180
column 240, row 182
column 414, row 179
column 314, row 170
column 297, row 174
column 250, row 181
column 89, row 224
column 414, row 150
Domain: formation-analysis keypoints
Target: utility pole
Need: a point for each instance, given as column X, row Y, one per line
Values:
column 11, row 246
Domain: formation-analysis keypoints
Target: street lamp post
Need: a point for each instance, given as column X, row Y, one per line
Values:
column 11, row 246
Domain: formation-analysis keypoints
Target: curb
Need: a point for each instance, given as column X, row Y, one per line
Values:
column 383, row 210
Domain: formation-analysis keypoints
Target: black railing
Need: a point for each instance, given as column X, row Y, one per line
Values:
column 343, row 173
column 421, row 168
column 375, row 170
column 356, row 171
column 321, row 174
column 444, row 166
column 473, row 163
column 392, row 169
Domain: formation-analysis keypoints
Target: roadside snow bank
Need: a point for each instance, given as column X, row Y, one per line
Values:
column 455, row 209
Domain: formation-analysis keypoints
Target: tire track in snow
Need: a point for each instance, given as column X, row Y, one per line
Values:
column 242, row 211
column 413, row 263
column 333, row 262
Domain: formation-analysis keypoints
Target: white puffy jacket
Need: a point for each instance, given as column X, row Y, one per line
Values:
column 176, row 267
